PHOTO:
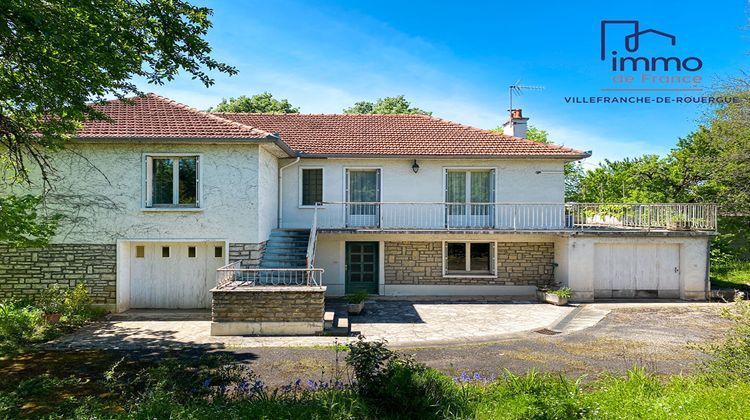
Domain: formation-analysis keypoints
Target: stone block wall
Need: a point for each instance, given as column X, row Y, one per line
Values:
column 269, row 304
column 24, row 272
column 421, row 263
column 249, row 253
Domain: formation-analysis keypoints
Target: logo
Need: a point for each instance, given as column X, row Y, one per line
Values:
column 623, row 60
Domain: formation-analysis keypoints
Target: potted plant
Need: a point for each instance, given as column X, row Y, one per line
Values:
column 558, row 297
column 52, row 302
column 356, row 302
column 678, row 222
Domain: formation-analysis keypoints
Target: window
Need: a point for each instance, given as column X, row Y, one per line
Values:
column 218, row 251
column 191, row 252
column 172, row 181
column 140, row 251
column 312, row 186
column 469, row 258
column 165, row 252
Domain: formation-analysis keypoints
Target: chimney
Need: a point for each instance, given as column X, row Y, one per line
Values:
column 516, row 125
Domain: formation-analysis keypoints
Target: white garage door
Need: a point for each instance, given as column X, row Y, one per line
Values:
column 636, row 270
column 173, row 274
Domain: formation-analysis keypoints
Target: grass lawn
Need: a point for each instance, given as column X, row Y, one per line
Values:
column 731, row 275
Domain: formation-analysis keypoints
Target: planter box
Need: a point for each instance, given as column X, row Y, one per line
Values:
column 52, row 318
column 355, row 308
column 555, row 300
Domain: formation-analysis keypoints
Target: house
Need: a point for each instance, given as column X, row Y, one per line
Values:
column 163, row 196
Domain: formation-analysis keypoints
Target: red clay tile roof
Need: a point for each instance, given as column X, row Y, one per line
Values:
column 400, row 135
column 153, row 116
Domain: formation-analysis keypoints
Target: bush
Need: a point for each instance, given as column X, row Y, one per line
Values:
column 22, row 322
column 398, row 386
column 731, row 358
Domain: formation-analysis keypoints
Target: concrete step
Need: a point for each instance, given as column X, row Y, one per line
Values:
column 284, row 257
column 290, row 233
column 274, row 264
column 328, row 318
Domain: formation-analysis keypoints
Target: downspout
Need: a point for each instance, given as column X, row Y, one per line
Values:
column 279, row 201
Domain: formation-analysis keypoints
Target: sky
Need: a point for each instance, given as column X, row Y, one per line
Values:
column 457, row 60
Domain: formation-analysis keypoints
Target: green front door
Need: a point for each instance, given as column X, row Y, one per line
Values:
column 362, row 267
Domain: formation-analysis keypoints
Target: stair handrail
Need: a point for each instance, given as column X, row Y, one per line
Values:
column 312, row 240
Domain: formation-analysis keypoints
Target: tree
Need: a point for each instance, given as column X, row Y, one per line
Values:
column 57, row 57
column 388, row 105
column 262, row 102
column 21, row 223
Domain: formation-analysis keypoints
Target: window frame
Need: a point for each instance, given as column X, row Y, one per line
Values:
column 301, row 186
column 480, row 274
column 147, row 175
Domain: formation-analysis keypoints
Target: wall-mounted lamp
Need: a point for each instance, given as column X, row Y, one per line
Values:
column 415, row 166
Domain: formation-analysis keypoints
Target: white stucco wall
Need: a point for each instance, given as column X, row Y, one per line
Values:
column 268, row 184
column 579, row 270
column 516, row 181
column 106, row 183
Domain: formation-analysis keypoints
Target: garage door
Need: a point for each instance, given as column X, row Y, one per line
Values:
column 636, row 270
column 173, row 274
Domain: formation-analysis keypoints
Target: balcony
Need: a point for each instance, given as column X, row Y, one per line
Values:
column 515, row 216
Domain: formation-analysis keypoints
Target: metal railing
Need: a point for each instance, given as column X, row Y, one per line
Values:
column 233, row 276
column 513, row 216
column 669, row 216
column 312, row 240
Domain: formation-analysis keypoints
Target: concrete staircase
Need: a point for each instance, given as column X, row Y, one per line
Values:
column 286, row 248
column 336, row 325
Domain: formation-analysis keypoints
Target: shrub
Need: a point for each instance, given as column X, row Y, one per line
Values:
column 731, row 358
column 357, row 297
column 398, row 386
column 19, row 324
column 563, row 292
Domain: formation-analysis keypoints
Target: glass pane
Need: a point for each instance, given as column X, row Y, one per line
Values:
column 456, row 192
column 363, row 187
column 191, row 252
column 456, row 257
column 480, row 257
column 165, row 252
column 140, row 251
column 312, row 186
column 481, row 189
column 218, row 251
column 162, row 181
column 188, row 185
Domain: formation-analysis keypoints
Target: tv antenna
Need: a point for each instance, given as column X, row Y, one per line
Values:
column 516, row 89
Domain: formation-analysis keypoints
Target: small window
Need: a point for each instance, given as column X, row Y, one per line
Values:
column 218, row 251
column 312, row 186
column 165, row 252
column 191, row 252
column 469, row 258
column 140, row 251
column 172, row 181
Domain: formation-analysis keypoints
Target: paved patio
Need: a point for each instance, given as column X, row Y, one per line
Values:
column 402, row 323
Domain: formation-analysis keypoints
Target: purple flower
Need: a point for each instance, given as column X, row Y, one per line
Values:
column 206, row 382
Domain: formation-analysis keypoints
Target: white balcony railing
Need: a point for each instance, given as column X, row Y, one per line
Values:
column 234, row 276
column 514, row 216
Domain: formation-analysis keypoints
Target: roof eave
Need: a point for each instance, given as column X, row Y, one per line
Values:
column 570, row 157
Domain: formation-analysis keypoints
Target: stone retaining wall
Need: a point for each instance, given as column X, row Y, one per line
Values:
column 267, row 310
column 421, row 263
column 249, row 253
column 24, row 272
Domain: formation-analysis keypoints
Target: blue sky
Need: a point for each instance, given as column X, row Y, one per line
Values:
column 458, row 58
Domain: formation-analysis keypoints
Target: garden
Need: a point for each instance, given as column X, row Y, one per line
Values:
column 57, row 310
column 370, row 380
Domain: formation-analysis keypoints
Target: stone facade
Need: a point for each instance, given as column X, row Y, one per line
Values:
column 269, row 304
column 249, row 253
column 421, row 263
column 24, row 272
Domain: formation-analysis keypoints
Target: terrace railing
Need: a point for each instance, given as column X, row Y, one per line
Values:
column 234, row 276
column 513, row 216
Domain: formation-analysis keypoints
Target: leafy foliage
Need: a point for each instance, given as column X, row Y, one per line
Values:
column 262, row 102
column 388, row 105
column 57, row 56
column 22, row 322
column 21, row 225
